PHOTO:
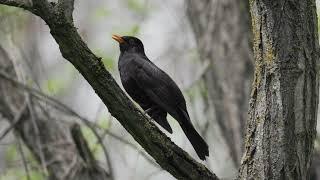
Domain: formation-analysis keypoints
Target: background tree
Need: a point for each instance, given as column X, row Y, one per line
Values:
column 222, row 32
column 59, row 153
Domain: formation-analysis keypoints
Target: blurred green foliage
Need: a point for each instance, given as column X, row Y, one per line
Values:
column 12, row 153
column 7, row 10
column 54, row 85
column 92, row 141
column 13, row 158
column 13, row 174
column 57, row 84
column 34, row 175
column 133, row 31
column 108, row 61
column 203, row 89
column 191, row 92
column 103, row 122
column 20, row 174
column 101, row 13
column 137, row 6
column 129, row 31
column 12, row 19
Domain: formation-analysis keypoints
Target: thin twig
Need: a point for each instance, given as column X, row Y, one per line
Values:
column 16, row 120
column 37, row 132
column 20, row 74
column 106, row 154
column 70, row 168
column 23, row 157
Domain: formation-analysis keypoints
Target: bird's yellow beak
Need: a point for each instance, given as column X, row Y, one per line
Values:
column 118, row 38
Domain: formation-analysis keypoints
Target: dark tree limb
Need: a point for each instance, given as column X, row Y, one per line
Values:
column 66, row 7
column 169, row 156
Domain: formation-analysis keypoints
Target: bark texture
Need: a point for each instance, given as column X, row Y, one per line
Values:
column 222, row 32
column 168, row 155
column 283, row 108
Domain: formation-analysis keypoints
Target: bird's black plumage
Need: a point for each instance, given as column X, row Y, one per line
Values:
column 155, row 91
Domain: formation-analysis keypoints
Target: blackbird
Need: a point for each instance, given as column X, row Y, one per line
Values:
column 155, row 91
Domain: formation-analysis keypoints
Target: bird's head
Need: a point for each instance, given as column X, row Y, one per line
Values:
column 129, row 44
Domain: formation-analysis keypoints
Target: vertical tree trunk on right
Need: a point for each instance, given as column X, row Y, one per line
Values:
column 283, row 108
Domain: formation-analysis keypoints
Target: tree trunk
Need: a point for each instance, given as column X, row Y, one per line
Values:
column 222, row 32
column 283, row 108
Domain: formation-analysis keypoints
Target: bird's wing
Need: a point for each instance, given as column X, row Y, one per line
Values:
column 160, row 88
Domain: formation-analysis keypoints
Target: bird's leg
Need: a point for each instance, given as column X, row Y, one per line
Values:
column 148, row 110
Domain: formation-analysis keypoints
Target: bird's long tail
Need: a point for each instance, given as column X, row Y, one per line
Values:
column 196, row 140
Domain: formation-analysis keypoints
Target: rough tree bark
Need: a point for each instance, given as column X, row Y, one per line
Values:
column 222, row 32
column 49, row 141
column 284, row 99
column 170, row 157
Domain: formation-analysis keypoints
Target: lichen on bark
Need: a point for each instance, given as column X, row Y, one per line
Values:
column 284, row 98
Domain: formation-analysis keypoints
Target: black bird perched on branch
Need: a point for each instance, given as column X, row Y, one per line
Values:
column 155, row 91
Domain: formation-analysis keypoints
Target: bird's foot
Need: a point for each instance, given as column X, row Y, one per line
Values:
column 148, row 110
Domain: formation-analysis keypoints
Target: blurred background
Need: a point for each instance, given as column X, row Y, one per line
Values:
column 204, row 46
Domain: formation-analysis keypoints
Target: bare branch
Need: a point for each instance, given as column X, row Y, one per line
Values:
column 82, row 146
column 37, row 133
column 23, row 157
column 102, row 145
column 16, row 120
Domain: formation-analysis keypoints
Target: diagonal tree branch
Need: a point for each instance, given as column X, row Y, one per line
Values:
column 66, row 7
column 169, row 156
